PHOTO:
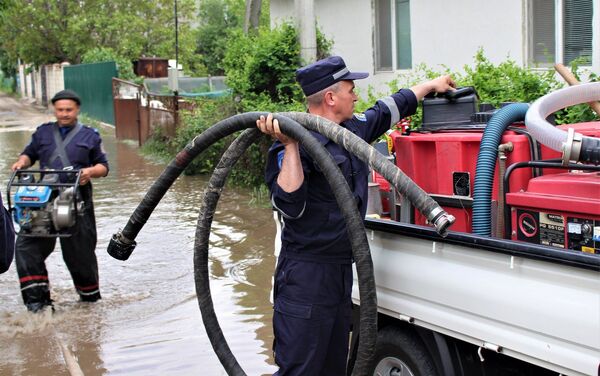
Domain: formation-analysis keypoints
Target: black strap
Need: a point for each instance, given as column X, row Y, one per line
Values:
column 60, row 150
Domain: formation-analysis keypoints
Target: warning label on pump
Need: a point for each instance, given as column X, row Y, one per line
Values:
column 552, row 230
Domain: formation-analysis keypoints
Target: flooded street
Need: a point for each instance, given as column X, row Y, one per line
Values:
column 148, row 322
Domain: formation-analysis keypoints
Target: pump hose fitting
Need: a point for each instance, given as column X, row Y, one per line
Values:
column 120, row 247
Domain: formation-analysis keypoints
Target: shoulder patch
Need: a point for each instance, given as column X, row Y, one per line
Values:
column 361, row 117
column 280, row 158
column 95, row 130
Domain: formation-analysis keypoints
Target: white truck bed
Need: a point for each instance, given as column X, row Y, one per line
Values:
column 542, row 311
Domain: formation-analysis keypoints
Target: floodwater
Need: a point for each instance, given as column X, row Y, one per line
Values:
column 148, row 322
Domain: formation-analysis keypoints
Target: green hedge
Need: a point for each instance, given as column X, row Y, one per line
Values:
column 261, row 72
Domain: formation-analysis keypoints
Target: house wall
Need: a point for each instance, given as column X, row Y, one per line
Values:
column 54, row 80
column 355, row 44
column 443, row 33
column 31, row 83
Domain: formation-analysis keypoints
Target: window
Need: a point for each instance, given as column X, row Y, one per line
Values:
column 392, row 35
column 542, row 36
column 577, row 30
column 561, row 30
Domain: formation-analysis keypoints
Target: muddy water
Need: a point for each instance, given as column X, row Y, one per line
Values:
column 148, row 322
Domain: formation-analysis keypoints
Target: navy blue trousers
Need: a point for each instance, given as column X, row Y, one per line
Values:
column 312, row 317
column 79, row 254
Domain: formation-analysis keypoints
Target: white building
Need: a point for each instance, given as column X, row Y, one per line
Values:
column 388, row 38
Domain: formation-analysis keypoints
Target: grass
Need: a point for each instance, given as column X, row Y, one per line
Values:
column 261, row 197
column 103, row 128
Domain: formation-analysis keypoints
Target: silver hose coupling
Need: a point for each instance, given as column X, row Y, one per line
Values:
column 441, row 220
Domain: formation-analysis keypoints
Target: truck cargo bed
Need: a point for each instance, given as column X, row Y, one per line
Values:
column 535, row 303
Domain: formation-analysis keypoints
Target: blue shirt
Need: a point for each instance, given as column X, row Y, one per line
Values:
column 84, row 150
column 314, row 228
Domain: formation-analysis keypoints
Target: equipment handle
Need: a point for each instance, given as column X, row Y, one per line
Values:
column 460, row 92
column 572, row 80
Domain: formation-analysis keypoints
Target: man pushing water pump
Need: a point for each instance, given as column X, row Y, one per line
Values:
column 313, row 280
column 69, row 153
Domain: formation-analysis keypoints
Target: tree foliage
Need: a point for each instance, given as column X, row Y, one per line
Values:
column 218, row 20
column 53, row 31
column 102, row 54
column 265, row 64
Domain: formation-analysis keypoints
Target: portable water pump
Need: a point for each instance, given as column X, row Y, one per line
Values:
column 46, row 206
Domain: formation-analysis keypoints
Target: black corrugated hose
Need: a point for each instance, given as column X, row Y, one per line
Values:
column 122, row 244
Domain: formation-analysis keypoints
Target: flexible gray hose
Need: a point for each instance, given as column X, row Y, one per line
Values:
column 123, row 243
column 212, row 193
column 356, row 233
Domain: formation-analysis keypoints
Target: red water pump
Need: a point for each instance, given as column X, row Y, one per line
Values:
column 534, row 196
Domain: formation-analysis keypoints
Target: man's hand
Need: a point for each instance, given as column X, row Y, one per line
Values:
column 441, row 84
column 85, row 175
column 21, row 163
column 270, row 126
column 291, row 174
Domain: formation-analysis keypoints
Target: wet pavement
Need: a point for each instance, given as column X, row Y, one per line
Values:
column 148, row 322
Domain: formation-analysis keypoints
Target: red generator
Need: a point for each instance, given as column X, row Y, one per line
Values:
column 559, row 210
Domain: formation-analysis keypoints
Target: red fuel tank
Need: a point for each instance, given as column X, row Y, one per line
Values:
column 443, row 164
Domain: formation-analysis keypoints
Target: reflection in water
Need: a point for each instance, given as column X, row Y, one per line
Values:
column 148, row 321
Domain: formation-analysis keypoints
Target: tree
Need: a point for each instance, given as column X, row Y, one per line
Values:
column 252, row 18
column 218, row 20
column 219, row 24
column 53, row 31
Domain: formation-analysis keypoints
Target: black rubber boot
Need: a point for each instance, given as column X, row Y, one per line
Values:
column 90, row 298
column 36, row 307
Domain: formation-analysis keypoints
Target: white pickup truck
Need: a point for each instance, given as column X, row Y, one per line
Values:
column 521, row 300
column 471, row 305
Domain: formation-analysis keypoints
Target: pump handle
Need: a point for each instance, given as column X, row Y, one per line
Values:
column 459, row 92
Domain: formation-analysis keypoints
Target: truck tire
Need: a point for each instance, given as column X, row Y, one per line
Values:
column 399, row 353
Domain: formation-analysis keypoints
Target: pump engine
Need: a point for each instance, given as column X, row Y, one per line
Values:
column 46, row 206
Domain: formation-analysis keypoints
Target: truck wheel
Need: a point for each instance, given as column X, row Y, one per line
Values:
column 401, row 354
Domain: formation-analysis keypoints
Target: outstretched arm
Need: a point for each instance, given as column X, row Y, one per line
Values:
column 441, row 84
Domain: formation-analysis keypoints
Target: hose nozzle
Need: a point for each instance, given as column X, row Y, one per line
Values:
column 441, row 221
column 120, row 247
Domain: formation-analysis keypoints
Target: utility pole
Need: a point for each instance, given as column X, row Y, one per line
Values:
column 306, row 24
column 175, row 78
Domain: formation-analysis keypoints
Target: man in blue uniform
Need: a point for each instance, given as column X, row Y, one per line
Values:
column 313, row 280
column 64, row 144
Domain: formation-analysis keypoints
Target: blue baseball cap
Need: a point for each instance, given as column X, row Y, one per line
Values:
column 324, row 73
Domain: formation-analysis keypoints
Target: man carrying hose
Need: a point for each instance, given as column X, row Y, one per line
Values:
column 69, row 145
column 313, row 279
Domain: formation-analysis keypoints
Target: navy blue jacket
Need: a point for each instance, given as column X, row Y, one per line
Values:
column 314, row 228
column 84, row 150
column 7, row 238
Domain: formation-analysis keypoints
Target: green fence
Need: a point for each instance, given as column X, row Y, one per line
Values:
column 93, row 83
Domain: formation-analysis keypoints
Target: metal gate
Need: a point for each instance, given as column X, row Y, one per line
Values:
column 138, row 114
column 93, row 84
column 126, row 101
